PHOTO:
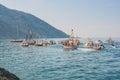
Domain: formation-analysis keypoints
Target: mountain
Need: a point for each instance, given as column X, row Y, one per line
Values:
column 13, row 21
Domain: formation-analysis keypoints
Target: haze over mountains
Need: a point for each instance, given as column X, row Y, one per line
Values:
column 13, row 22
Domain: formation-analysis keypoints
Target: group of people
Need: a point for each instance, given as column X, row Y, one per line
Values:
column 71, row 42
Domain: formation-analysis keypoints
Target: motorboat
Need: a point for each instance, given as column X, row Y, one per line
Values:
column 88, row 44
column 98, row 45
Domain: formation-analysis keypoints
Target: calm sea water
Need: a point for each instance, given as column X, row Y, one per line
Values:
column 55, row 63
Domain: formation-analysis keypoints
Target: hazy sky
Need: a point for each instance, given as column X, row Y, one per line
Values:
column 88, row 18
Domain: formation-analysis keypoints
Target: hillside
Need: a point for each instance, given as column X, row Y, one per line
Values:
column 13, row 21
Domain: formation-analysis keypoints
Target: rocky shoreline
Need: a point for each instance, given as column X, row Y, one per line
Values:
column 6, row 75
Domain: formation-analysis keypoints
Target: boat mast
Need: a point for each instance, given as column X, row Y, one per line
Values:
column 72, row 34
column 17, row 33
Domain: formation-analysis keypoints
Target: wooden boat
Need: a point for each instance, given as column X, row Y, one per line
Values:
column 38, row 44
column 29, row 39
column 71, row 42
column 31, row 42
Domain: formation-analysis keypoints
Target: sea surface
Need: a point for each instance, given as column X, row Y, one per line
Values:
column 55, row 63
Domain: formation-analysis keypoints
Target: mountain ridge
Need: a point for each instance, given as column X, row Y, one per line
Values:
column 11, row 19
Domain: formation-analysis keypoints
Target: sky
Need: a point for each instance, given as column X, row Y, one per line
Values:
column 88, row 18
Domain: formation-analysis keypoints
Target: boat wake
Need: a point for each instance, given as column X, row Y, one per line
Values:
column 85, row 49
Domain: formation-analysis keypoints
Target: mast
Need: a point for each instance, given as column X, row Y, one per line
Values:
column 17, row 32
column 72, row 34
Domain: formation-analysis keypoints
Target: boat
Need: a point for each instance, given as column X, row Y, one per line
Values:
column 17, row 40
column 110, row 41
column 88, row 44
column 24, row 44
column 98, row 45
column 31, row 42
column 38, row 43
column 45, row 43
column 52, row 42
column 29, row 38
column 71, row 42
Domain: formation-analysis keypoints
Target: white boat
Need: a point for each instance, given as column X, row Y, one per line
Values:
column 98, row 45
column 89, row 44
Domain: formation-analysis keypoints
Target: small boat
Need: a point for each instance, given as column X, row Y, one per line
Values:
column 16, row 41
column 98, row 45
column 110, row 41
column 24, row 44
column 52, row 42
column 45, row 43
column 89, row 44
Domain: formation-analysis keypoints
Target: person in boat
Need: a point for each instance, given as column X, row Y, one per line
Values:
column 66, row 43
column 71, row 42
column 76, row 42
column 88, row 44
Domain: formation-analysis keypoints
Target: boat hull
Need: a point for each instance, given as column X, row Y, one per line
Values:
column 16, row 41
column 31, row 43
column 70, row 47
column 38, row 44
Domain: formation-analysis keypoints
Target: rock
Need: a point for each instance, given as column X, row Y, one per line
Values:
column 5, row 75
